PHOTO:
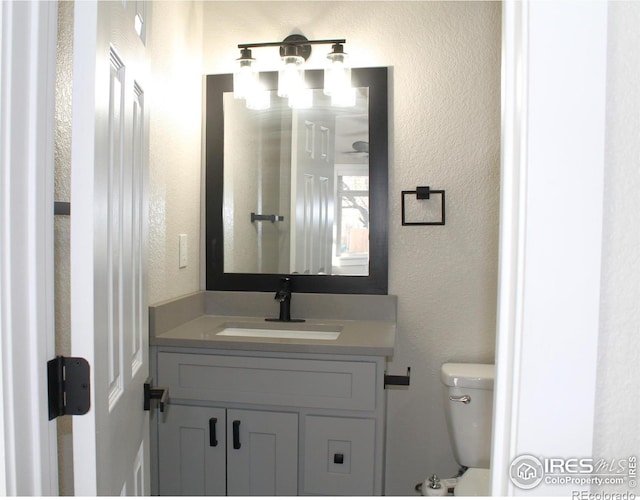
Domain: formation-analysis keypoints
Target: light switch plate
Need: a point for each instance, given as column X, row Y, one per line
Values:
column 182, row 251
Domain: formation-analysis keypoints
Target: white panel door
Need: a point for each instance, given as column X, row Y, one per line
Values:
column 108, row 244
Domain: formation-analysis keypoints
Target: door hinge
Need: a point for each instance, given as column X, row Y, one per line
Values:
column 68, row 380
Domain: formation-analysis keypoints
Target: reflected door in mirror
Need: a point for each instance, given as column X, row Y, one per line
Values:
column 303, row 174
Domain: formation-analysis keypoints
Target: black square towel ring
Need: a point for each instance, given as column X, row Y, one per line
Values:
column 423, row 193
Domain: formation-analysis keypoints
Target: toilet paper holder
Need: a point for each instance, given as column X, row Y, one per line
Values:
column 398, row 379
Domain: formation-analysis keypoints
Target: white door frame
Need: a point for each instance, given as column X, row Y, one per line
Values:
column 28, row 446
column 553, row 137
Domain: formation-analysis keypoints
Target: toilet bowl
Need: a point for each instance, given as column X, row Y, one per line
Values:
column 468, row 390
column 473, row 483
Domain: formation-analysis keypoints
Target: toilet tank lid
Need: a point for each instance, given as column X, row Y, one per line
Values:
column 469, row 375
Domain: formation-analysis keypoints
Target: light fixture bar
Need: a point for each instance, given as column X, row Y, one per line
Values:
column 291, row 42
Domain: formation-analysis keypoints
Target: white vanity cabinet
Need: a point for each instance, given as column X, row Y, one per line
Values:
column 269, row 423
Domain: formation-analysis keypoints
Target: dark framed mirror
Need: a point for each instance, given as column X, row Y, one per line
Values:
column 298, row 192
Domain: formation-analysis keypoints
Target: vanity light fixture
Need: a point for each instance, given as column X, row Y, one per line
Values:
column 260, row 98
column 294, row 51
column 337, row 78
column 291, row 72
column 246, row 76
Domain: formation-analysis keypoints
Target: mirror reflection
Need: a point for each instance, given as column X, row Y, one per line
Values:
column 296, row 187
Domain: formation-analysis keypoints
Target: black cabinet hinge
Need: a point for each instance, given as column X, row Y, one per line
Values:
column 68, row 380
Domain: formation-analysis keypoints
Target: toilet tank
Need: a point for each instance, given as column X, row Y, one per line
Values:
column 469, row 423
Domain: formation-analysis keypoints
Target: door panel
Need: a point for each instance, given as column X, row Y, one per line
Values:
column 108, row 242
column 262, row 457
column 339, row 457
column 312, row 191
column 191, row 448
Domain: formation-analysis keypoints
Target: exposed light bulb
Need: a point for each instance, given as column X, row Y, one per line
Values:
column 344, row 98
column 246, row 77
column 291, row 76
column 259, row 99
column 337, row 75
column 301, row 99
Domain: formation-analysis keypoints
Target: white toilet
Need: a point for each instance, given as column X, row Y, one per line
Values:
column 469, row 409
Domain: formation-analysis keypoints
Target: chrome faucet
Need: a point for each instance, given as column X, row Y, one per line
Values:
column 283, row 296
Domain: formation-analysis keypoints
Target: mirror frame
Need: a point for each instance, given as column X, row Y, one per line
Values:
column 376, row 283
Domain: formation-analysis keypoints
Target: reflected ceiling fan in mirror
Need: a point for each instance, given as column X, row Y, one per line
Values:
column 359, row 148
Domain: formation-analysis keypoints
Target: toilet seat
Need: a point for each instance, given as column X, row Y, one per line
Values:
column 473, row 483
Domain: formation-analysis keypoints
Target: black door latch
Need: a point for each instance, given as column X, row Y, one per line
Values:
column 159, row 393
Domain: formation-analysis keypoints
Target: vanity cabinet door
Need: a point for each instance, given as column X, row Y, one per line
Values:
column 191, row 447
column 339, row 456
column 262, row 453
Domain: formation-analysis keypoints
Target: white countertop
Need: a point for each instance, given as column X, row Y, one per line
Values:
column 367, row 338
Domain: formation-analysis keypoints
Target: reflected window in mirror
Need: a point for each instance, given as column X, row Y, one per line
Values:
column 299, row 192
column 352, row 220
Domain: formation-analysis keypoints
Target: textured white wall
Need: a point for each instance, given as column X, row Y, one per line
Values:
column 616, row 417
column 62, row 187
column 175, row 47
column 444, row 132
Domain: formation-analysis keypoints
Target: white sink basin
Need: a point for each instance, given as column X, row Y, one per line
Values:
column 305, row 331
